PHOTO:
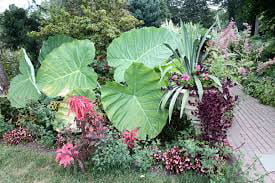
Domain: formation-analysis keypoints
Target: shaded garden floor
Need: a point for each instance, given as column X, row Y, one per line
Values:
column 253, row 131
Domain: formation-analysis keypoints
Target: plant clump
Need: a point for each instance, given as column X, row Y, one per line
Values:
column 17, row 136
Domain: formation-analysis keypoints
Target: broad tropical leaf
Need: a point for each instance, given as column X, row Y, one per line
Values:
column 144, row 45
column 23, row 88
column 66, row 69
column 135, row 106
column 52, row 43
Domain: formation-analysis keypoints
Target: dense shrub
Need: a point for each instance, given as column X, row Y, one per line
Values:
column 101, row 22
column 16, row 23
column 112, row 153
column 4, row 126
column 215, row 112
column 10, row 62
column 17, row 136
column 261, row 88
column 192, row 155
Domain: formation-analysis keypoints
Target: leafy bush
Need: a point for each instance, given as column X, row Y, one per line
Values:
column 9, row 59
column 17, row 136
column 15, row 24
column 112, row 153
column 101, row 22
column 191, row 155
column 261, row 88
column 4, row 126
column 215, row 112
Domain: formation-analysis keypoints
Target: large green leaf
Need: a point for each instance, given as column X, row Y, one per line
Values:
column 144, row 45
column 66, row 69
column 52, row 43
column 23, row 88
column 135, row 106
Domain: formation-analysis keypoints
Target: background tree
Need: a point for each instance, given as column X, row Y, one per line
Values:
column 196, row 11
column 165, row 13
column 15, row 24
column 146, row 10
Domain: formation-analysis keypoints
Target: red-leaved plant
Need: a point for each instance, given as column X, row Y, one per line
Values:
column 215, row 113
column 93, row 128
column 130, row 137
column 67, row 155
column 17, row 136
column 177, row 161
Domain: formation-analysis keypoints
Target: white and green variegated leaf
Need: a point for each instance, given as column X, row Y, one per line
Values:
column 66, row 69
column 215, row 79
column 144, row 45
column 166, row 98
column 137, row 104
column 199, row 87
column 173, row 102
column 52, row 43
column 184, row 100
column 23, row 88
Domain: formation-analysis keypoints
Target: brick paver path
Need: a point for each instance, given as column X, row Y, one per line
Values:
column 253, row 130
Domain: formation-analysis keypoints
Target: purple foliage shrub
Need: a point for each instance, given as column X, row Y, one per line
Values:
column 215, row 112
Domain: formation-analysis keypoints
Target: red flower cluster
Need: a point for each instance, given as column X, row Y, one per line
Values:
column 80, row 105
column 66, row 155
column 17, row 136
column 129, row 138
column 178, row 161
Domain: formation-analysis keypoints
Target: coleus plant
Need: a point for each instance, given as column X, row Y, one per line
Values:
column 93, row 128
column 187, row 65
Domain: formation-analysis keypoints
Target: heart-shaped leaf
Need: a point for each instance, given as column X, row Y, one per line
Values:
column 144, row 45
column 52, row 43
column 137, row 105
column 66, row 69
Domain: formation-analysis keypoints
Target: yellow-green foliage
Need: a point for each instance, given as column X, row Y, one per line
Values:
column 100, row 22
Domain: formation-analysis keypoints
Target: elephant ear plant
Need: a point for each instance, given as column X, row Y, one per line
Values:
column 190, row 73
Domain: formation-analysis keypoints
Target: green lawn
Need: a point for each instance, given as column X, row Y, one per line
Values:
column 21, row 165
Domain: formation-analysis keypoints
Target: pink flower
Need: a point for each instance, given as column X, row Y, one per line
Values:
column 129, row 138
column 185, row 77
column 205, row 76
column 80, row 105
column 198, row 67
column 174, row 77
column 66, row 155
column 243, row 71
